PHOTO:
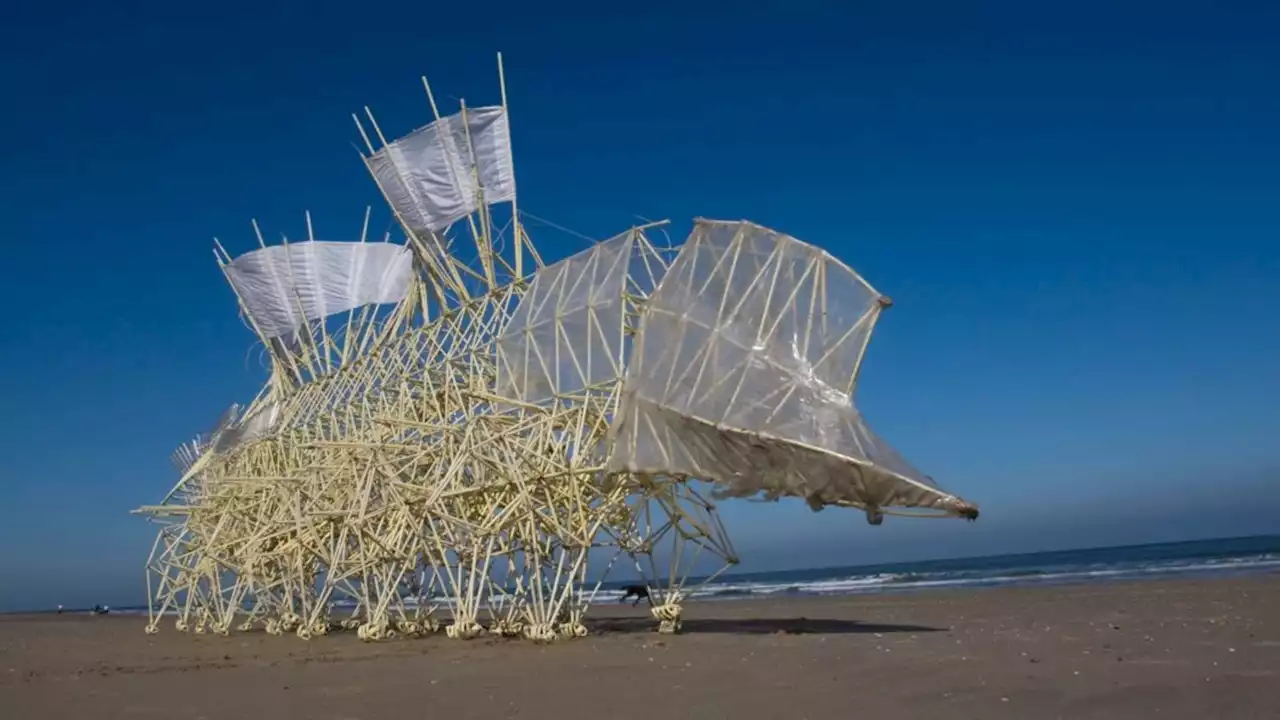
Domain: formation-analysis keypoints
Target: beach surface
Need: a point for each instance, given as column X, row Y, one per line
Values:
column 1159, row 649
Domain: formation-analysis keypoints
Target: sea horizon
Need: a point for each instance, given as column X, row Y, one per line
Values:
column 1213, row 557
column 1204, row 558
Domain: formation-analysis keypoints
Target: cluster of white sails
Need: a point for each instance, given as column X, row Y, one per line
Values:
column 433, row 177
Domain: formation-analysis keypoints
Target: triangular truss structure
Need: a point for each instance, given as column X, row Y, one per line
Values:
column 481, row 441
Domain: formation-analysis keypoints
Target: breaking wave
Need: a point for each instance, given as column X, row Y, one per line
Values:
column 885, row 582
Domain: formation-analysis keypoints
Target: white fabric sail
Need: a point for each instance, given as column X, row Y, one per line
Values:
column 433, row 176
column 283, row 286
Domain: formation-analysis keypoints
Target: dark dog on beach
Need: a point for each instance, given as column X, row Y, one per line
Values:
column 639, row 591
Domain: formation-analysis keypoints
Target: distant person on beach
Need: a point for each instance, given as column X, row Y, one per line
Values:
column 640, row 592
column 59, row 609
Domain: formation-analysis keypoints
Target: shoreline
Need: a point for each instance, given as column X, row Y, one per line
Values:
column 883, row 590
column 1155, row 648
column 1200, row 559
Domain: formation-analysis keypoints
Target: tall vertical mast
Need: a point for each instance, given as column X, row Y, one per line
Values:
column 484, row 241
column 515, row 208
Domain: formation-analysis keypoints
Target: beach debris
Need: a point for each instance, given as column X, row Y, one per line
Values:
column 454, row 429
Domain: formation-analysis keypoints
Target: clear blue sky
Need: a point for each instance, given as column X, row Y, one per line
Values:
column 1077, row 212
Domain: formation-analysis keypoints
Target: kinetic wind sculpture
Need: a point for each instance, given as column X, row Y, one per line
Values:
column 444, row 437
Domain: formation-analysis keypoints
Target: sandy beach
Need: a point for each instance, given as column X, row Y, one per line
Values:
column 1167, row 649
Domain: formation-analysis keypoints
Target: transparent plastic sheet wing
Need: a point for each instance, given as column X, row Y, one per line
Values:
column 744, row 375
column 254, row 426
column 571, row 329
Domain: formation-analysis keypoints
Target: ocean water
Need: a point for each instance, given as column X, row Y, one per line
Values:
column 1201, row 558
column 1195, row 559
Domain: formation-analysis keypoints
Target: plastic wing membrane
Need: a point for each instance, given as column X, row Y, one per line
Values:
column 744, row 373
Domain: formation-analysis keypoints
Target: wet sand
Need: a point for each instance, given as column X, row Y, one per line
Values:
column 1166, row 649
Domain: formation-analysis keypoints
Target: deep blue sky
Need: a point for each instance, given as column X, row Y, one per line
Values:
column 1076, row 210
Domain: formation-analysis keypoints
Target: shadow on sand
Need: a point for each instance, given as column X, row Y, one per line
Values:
column 760, row 626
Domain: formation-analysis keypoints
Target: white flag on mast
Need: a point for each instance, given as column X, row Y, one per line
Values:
column 284, row 286
column 430, row 175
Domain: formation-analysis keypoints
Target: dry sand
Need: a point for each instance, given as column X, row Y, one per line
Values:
column 1168, row 649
